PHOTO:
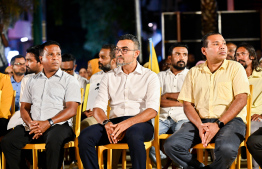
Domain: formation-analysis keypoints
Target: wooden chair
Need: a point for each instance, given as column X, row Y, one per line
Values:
column 86, row 97
column 200, row 147
column 41, row 146
column 124, row 146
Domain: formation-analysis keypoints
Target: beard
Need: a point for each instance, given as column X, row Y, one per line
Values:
column 243, row 63
column 105, row 68
column 180, row 65
column 123, row 63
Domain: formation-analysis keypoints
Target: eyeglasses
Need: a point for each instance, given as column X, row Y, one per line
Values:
column 242, row 53
column 123, row 51
column 19, row 64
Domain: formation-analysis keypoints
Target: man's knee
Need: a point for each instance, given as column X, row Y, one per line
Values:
column 172, row 146
column 228, row 150
column 253, row 141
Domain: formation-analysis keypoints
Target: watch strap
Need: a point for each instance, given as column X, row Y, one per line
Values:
column 51, row 122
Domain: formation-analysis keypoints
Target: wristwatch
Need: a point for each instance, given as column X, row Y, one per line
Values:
column 105, row 122
column 220, row 123
column 51, row 122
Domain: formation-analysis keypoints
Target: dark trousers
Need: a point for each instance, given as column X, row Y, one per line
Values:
column 3, row 126
column 254, row 145
column 227, row 142
column 55, row 138
column 96, row 135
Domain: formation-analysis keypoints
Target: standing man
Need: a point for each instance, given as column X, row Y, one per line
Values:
column 133, row 92
column 172, row 115
column 214, row 102
column 231, row 49
column 106, row 62
column 246, row 55
column 49, row 102
column 69, row 65
column 19, row 69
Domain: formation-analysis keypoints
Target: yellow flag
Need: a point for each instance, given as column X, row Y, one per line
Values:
column 153, row 62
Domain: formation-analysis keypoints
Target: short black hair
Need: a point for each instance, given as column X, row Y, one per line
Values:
column 68, row 57
column 16, row 57
column 204, row 39
column 34, row 50
column 252, row 52
column 111, row 47
column 170, row 50
column 132, row 38
column 47, row 43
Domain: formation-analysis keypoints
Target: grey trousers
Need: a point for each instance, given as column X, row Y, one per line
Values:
column 227, row 142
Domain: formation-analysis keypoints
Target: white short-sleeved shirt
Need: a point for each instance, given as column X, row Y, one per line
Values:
column 48, row 96
column 129, row 94
column 171, row 83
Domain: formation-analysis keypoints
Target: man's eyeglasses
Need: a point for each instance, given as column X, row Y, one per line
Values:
column 19, row 64
column 123, row 51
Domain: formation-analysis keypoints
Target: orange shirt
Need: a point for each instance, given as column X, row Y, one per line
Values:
column 6, row 97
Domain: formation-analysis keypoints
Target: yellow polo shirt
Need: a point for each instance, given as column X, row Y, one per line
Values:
column 7, row 95
column 256, row 80
column 212, row 93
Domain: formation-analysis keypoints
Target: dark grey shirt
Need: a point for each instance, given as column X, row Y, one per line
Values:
column 49, row 95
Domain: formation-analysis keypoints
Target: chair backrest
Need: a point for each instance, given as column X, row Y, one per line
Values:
column 86, row 97
column 78, row 116
column 13, row 103
column 249, row 104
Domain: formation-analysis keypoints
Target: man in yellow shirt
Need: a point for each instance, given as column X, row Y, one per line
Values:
column 213, row 95
column 246, row 55
column 6, row 101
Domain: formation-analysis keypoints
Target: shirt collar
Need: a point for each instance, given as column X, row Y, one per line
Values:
column 206, row 69
column 13, row 80
column 137, row 70
column 58, row 73
column 256, row 74
column 180, row 73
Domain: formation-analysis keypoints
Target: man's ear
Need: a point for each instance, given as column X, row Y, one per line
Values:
column 75, row 67
column 40, row 58
column 203, row 50
column 252, row 57
column 169, row 57
column 137, row 52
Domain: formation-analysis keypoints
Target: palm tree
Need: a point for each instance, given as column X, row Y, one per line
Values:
column 209, row 16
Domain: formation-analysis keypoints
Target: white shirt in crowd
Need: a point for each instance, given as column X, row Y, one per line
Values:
column 171, row 83
column 130, row 94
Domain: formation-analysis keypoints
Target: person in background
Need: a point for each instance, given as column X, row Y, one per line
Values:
column 3, row 42
column 92, row 68
column 165, row 64
column 9, row 71
column 6, row 101
column 231, row 49
column 19, row 69
column 246, row 56
column 83, row 72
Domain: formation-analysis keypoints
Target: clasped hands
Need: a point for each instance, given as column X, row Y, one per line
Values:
column 38, row 128
column 207, row 132
column 116, row 132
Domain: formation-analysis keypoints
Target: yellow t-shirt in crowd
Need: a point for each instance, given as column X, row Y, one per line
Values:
column 6, row 97
column 213, row 93
column 256, row 80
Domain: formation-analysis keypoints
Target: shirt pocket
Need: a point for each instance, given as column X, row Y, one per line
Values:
column 224, row 91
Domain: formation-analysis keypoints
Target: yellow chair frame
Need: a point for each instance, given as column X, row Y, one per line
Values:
column 41, row 146
column 200, row 147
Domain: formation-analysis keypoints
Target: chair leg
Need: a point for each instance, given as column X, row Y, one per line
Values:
column 35, row 159
column 3, row 161
column 200, row 155
column 249, row 159
column 100, row 157
column 148, row 161
column 79, row 162
column 206, row 156
column 158, row 158
column 124, row 159
column 238, row 160
column 109, row 158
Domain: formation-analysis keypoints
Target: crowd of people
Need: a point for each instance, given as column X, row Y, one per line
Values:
column 203, row 104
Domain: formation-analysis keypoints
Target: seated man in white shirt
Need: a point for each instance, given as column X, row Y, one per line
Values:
column 133, row 92
column 172, row 115
column 106, row 62
column 49, row 102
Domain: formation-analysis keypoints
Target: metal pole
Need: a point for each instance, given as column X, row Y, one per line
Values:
column 138, row 28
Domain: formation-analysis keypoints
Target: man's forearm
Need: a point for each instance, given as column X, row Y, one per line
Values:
column 99, row 115
column 170, row 103
column 191, row 114
column 25, row 115
column 236, row 106
column 146, row 115
column 67, row 113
